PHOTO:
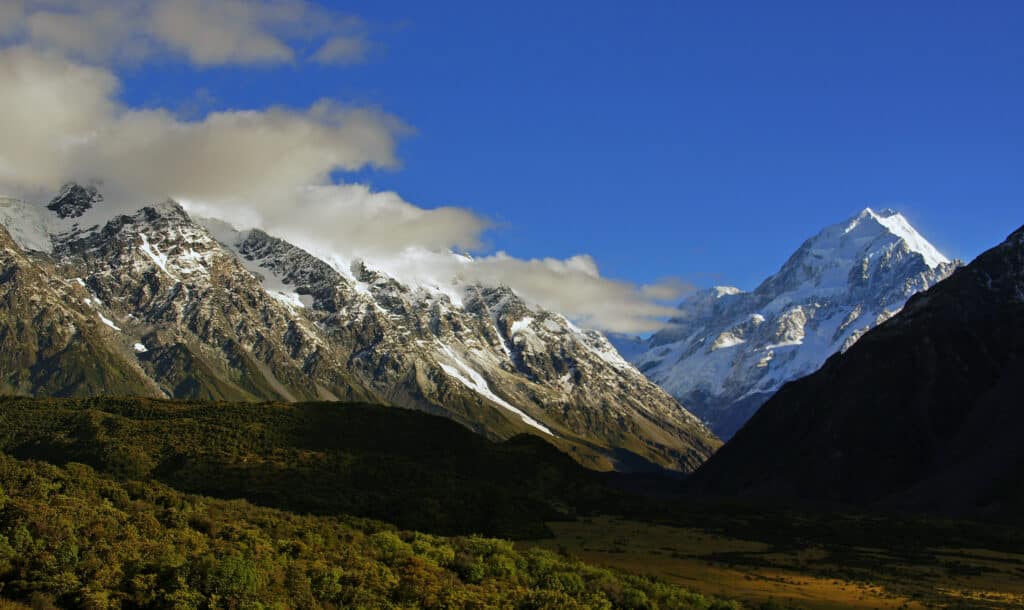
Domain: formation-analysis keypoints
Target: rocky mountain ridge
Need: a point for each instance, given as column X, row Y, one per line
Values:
column 171, row 307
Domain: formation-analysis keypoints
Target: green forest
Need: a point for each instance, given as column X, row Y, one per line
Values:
column 150, row 504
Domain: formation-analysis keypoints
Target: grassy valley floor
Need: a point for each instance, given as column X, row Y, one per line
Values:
column 812, row 576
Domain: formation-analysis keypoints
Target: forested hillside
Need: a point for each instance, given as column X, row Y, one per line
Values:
column 75, row 538
column 401, row 466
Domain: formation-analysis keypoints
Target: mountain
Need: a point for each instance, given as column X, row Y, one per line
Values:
column 153, row 303
column 922, row 413
column 728, row 351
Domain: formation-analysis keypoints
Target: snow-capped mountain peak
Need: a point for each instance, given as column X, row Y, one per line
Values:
column 899, row 227
column 727, row 350
column 846, row 255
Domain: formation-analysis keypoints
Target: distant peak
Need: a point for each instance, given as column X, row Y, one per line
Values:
column 872, row 214
column 894, row 223
column 877, row 214
column 171, row 207
column 74, row 200
column 721, row 291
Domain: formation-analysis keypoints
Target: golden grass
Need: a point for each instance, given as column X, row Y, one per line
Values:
column 805, row 578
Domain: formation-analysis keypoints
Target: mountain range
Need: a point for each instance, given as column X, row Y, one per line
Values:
column 923, row 413
column 155, row 303
column 727, row 351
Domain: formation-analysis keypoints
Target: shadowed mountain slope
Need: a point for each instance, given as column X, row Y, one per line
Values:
column 924, row 412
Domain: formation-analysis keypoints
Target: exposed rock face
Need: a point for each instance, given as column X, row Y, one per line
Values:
column 51, row 341
column 922, row 413
column 728, row 351
column 74, row 200
column 200, row 311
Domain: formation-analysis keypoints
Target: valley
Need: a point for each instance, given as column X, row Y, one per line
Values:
column 353, row 472
column 804, row 573
column 322, row 305
column 755, row 526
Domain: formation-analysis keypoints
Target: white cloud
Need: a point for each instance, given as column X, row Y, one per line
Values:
column 341, row 50
column 61, row 123
column 348, row 221
column 669, row 289
column 267, row 168
column 575, row 288
column 206, row 32
column 220, row 32
column 50, row 106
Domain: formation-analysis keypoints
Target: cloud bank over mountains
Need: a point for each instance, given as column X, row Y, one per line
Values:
column 268, row 168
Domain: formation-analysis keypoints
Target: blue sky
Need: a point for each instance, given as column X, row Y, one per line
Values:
column 590, row 154
column 676, row 140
